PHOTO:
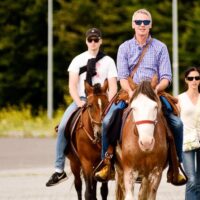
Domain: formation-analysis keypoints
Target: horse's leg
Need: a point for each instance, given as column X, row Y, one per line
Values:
column 75, row 167
column 129, row 181
column 88, row 189
column 94, row 189
column 104, row 190
column 143, row 191
column 119, row 184
column 153, row 186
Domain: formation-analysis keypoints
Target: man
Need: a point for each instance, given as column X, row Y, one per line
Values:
column 155, row 61
column 99, row 67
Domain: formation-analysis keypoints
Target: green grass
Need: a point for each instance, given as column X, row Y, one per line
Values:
column 19, row 122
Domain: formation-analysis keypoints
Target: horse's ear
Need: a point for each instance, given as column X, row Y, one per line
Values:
column 131, row 83
column 105, row 85
column 88, row 88
column 154, row 81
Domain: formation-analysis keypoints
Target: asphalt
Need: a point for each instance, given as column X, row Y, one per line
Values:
column 26, row 165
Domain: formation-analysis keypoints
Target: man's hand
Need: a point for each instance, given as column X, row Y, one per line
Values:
column 81, row 104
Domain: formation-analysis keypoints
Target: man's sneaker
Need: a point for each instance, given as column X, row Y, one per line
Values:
column 57, row 178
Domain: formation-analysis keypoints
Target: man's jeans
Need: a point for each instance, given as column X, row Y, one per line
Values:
column 106, row 120
column 61, row 140
column 191, row 163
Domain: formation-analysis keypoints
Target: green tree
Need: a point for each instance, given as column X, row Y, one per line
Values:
column 23, row 44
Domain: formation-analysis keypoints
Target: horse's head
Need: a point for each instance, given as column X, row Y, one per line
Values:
column 145, row 106
column 97, row 100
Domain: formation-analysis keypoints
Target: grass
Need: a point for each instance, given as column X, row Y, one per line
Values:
column 19, row 122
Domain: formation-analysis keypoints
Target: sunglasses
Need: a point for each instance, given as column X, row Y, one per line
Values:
column 93, row 39
column 191, row 78
column 145, row 22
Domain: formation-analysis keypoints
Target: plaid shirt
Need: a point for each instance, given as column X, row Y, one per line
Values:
column 155, row 61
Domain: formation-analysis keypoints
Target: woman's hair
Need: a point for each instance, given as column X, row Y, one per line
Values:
column 191, row 69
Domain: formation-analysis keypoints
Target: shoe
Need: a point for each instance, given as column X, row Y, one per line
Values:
column 105, row 174
column 180, row 180
column 56, row 178
column 102, row 175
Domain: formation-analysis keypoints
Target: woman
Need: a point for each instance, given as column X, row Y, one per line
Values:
column 189, row 105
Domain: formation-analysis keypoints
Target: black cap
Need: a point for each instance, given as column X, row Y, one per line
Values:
column 93, row 32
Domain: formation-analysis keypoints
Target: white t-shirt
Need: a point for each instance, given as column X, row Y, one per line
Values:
column 188, row 114
column 105, row 69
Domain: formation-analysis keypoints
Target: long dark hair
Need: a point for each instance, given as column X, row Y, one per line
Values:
column 191, row 69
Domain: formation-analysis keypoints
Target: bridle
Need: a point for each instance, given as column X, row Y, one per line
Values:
column 95, row 139
column 139, row 122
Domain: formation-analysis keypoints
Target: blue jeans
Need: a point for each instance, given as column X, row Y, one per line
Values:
column 191, row 164
column 106, row 120
column 176, row 127
column 61, row 139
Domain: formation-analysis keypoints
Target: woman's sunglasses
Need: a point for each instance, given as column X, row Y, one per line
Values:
column 145, row 22
column 93, row 39
column 191, row 78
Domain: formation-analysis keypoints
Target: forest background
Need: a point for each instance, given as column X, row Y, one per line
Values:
column 23, row 49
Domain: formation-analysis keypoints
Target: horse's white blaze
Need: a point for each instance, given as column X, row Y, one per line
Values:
column 145, row 109
column 100, row 105
column 97, row 127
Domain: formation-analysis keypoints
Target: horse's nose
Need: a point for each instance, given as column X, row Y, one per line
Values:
column 147, row 145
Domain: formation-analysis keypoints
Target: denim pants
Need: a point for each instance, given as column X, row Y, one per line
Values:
column 176, row 127
column 191, row 164
column 106, row 120
column 61, row 140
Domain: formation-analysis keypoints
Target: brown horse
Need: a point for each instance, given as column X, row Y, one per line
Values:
column 85, row 153
column 144, row 146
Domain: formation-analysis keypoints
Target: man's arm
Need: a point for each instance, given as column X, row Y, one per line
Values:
column 162, row 85
column 112, row 85
column 125, row 86
column 73, row 85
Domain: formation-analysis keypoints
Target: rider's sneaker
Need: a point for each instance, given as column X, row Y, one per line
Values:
column 57, row 178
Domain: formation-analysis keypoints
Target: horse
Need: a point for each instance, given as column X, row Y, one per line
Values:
column 143, row 150
column 85, row 153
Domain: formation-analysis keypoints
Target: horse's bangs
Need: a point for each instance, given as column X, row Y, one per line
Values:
column 97, row 88
column 146, row 89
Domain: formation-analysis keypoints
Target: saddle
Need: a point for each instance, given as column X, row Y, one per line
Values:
column 70, row 128
column 169, row 101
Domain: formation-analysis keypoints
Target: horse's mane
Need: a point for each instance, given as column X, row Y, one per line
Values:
column 97, row 88
column 146, row 89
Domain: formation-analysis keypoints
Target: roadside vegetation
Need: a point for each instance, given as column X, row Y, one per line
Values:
column 20, row 122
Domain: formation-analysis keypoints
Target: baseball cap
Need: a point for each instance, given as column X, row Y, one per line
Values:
column 93, row 32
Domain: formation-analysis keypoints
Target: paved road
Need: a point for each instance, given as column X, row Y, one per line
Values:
column 26, row 164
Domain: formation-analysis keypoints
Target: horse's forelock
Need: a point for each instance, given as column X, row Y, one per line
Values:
column 97, row 88
column 146, row 89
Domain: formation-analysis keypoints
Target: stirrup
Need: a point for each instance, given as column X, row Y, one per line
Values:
column 102, row 175
column 178, row 181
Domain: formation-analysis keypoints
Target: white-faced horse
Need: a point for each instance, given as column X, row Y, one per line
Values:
column 143, row 146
